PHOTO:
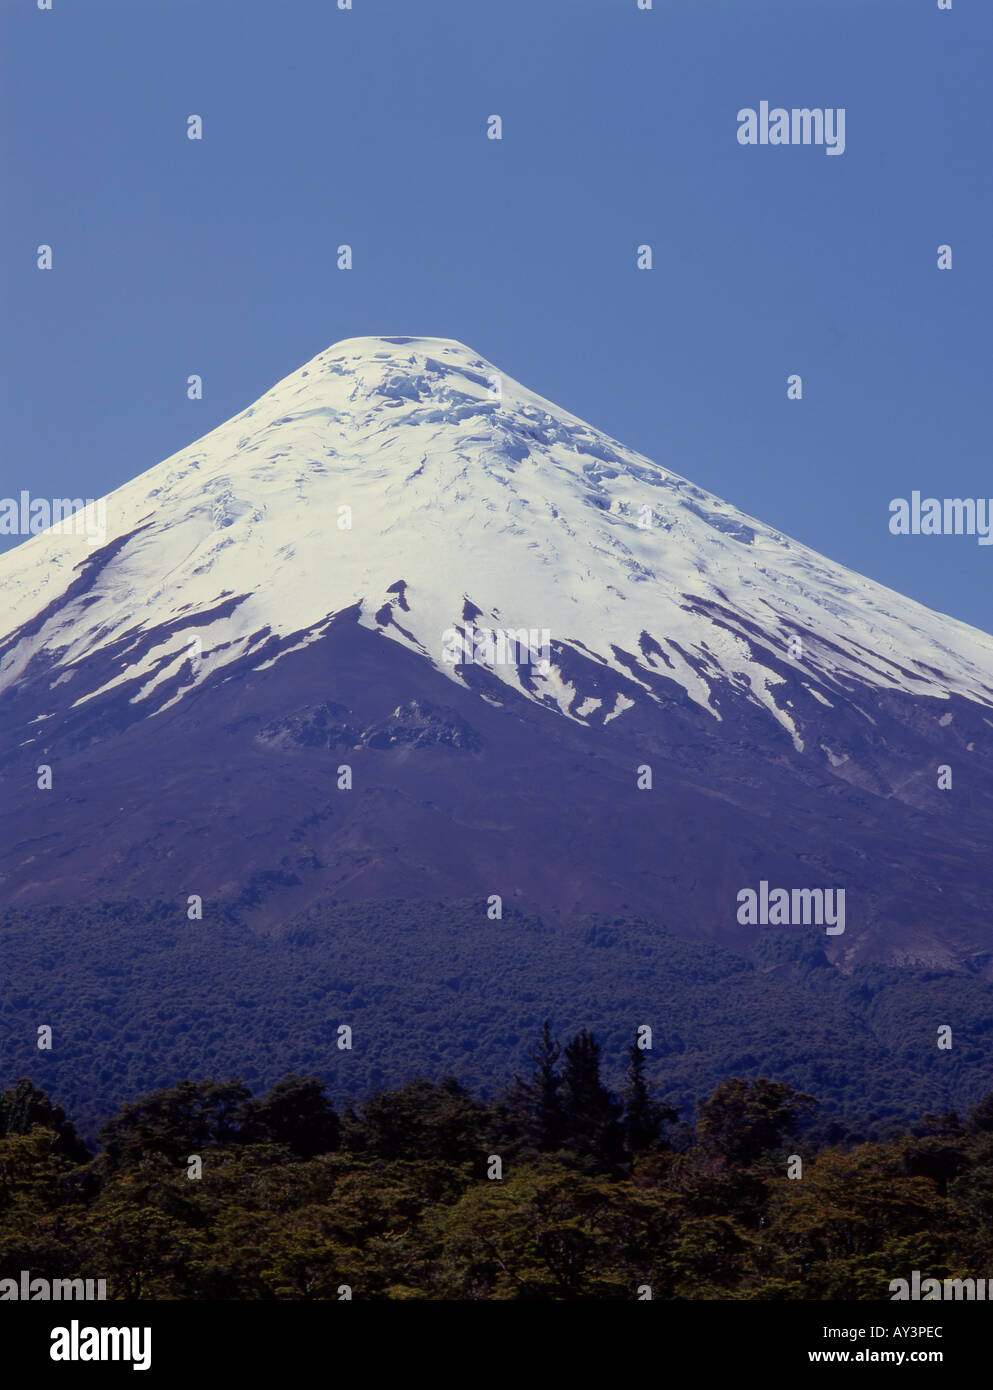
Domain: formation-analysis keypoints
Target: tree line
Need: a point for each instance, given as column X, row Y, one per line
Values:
column 555, row 1189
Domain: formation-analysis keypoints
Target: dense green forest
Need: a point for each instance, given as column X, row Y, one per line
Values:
column 139, row 997
column 557, row 1189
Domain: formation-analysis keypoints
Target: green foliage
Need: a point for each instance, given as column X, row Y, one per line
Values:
column 397, row 1201
column 534, row 1106
column 297, row 1113
column 644, row 1118
column 175, row 1122
column 24, row 1106
column 743, row 1120
column 590, row 1113
column 423, row 1120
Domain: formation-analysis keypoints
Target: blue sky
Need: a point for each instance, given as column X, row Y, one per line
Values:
column 369, row 127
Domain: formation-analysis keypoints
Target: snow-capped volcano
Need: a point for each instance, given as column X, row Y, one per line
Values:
column 413, row 483
column 246, row 688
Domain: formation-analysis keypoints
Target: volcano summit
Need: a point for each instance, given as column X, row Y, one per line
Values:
column 717, row 704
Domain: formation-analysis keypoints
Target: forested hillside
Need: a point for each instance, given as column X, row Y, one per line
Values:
column 558, row 1189
column 138, row 997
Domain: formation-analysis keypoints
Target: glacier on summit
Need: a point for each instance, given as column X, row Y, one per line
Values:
column 412, row 481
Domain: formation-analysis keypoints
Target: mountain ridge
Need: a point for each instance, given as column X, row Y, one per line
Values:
column 238, row 699
column 382, row 455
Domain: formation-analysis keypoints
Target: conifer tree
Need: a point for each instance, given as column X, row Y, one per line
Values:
column 643, row 1118
column 591, row 1115
column 536, row 1103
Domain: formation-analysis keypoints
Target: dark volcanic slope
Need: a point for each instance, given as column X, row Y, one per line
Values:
column 233, row 794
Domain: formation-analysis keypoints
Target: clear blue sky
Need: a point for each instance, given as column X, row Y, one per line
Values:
column 368, row 127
